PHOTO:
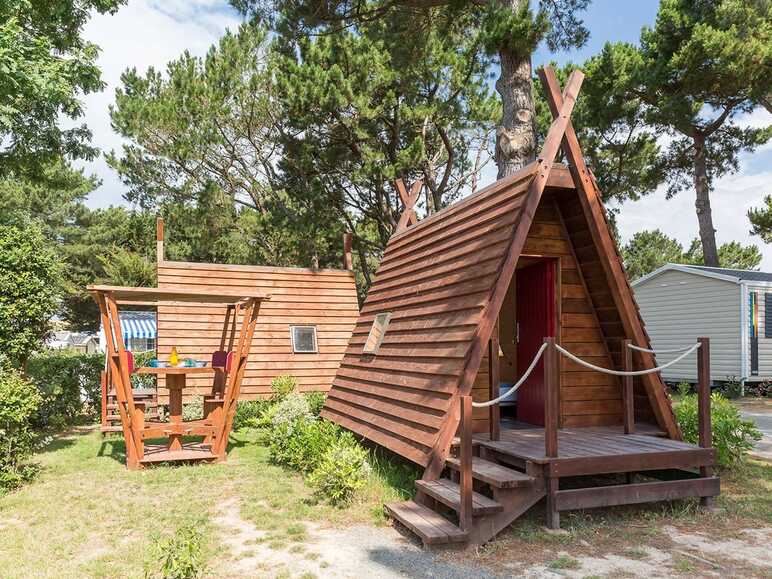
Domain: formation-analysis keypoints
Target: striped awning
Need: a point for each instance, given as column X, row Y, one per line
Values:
column 138, row 327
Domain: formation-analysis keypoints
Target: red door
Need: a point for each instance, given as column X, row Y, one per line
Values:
column 535, row 289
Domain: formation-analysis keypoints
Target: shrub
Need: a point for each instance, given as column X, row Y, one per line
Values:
column 193, row 410
column 343, row 470
column 177, row 556
column 282, row 386
column 684, row 388
column 731, row 388
column 316, row 401
column 142, row 359
column 758, row 389
column 251, row 414
column 303, row 447
column 289, row 411
column 69, row 384
column 732, row 436
column 19, row 403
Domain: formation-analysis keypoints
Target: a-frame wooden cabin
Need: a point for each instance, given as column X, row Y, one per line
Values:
column 529, row 257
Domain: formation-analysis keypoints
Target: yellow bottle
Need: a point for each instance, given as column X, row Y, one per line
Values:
column 174, row 359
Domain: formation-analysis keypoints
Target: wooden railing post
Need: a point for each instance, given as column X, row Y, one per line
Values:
column 703, row 407
column 465, row 459
column 494, row 412
column 627, row 388
column 551, row 398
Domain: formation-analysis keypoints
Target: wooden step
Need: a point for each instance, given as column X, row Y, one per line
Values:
column 430, row 526
column 449, row 493
column 159, row 453
column 106, row 429
column 494, row 474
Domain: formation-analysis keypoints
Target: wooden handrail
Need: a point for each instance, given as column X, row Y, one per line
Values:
column 551, row 398
column 628, row 409
column 465, row 460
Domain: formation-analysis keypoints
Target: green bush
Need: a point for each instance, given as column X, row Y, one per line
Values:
column 342, row 471
column 251, row 414
column 142, row 359
column 19, row 403
column 69, row 384
column 303, row 446
column 316, row 401
column 282, row 386
column 732, row 436
column 177, row 556
column 193, row 410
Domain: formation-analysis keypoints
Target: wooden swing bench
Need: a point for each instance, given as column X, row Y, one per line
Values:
column 227, row 370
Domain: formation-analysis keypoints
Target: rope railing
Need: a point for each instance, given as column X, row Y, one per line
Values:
column 655, row 352
column 586, row 364
column 517, row 385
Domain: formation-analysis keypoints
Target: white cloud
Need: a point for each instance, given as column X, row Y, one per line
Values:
column 142, row 34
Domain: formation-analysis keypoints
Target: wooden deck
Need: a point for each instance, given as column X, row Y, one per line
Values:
column 588, row 451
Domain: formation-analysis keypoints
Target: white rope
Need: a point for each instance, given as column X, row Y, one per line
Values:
column 514, row 388
column 619, row 372
column 673, row 351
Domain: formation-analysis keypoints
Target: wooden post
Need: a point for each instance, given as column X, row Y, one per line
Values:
column 703, row 407
column 465, row 458
column 103, row 384
column 494, row 412
column 551, row 398
column 348, row 260
column 159, row 239
column 627, row 388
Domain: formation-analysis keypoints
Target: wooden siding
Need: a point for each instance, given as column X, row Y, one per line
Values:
column 680, row 307
column 435, row 279
column 326, row 299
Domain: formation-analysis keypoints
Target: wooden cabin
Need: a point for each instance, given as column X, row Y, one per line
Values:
column 462, row 303
column 302, row 331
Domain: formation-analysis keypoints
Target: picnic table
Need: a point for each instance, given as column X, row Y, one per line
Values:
column 219, row 407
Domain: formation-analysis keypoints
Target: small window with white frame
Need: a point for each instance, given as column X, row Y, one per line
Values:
column 377, row 333
column 304, row 339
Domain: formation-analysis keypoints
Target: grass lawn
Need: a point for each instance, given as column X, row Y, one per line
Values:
column 85, row 515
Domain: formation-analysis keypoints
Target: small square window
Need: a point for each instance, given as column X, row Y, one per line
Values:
column 303, row 339
column 377, row 333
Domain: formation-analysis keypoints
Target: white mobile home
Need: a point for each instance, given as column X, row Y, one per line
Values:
column 733, row 307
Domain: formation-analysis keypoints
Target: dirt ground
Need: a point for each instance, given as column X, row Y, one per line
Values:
column 688, row 548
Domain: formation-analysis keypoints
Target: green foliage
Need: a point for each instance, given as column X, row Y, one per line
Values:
column 649, row 250
column 316, row 402
column 193, row 410
column 343, row 470
column 701, row 67
column 142, row 359
column 302, row 445
column 684, row 388
column 179, row 555
column 46, row 67
column 761, row 220
column 19, row 403
column 30, row 287
column 732, row 436
column 282, row 386
column 731, row 389
column 251, row 414
column 69, row 385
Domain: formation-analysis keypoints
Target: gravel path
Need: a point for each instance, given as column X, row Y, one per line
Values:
column 761, row 414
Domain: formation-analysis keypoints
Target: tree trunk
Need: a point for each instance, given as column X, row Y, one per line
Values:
column 515, row 135
column 702, row 203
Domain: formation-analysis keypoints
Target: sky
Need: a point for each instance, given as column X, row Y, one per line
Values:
column 148, row 33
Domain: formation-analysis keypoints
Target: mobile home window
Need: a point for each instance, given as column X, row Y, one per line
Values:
column 377, row 333
column 303, row 339
column 768, row 315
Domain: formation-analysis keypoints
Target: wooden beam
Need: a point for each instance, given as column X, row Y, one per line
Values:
column 551, row 398
column 683, row 459
column 465, row 456
column 494, row 380
column 409, row 200
column 628, row 409
column 637, row 493
column 348, row 260
column 610, row 260
column 490, row 314
column 705, row 430
column 159, row 240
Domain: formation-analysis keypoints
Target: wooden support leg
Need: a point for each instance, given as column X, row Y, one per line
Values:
column 175, row 383
column 553, row 515
column 138, row 425
column 705, row 428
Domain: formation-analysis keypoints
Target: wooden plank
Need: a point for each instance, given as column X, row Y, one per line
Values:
column 494, row 474
column 631, row 494
column 683, row 459
column 449, row 494
column 430, row 526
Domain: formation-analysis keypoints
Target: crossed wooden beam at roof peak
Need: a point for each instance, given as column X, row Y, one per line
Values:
column 409, row 200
